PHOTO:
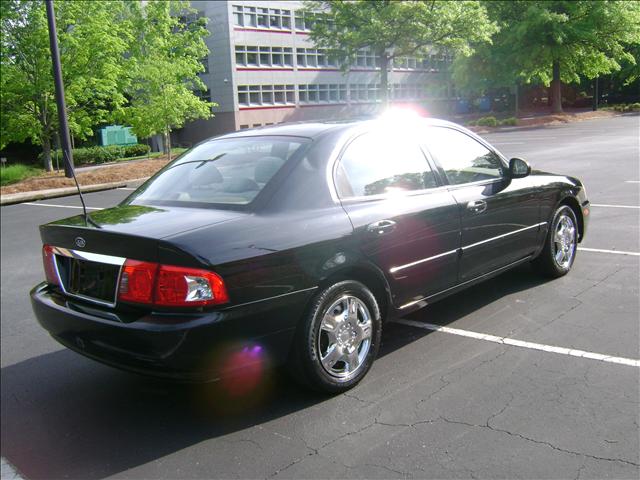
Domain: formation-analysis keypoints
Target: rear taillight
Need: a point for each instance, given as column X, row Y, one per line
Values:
column 137, row 281
column 170, row 286
column 49, row 262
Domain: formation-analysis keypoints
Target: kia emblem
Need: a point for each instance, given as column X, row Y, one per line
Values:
column 80, row 242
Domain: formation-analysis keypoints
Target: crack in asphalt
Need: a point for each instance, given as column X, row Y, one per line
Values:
column 540, row 442
column 575, row 297
column 487, row 425
column 316, row 451
column 447, row 383
column 602, row 280
column 354, row 397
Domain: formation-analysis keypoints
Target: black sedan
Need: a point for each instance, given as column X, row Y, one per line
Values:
column 293, row 243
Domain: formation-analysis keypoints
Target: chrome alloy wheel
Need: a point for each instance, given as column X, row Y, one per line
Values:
column 344, row 337
column 564, row 242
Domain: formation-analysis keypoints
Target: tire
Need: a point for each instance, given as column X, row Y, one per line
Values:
column 333, row 349
column 560, row 245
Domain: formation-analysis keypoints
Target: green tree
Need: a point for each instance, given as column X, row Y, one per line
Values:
column 92, row 44
column 165, row 58
column 554, row 42
column 393, row 28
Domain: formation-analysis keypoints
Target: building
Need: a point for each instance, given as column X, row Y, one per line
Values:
column 263, row 69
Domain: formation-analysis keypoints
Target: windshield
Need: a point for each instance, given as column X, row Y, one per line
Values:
column 228, row 171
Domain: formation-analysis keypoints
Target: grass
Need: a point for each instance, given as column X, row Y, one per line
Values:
column 17, row 172
column 622, row 107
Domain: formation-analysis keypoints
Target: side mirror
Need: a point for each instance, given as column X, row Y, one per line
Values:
column 519, row 168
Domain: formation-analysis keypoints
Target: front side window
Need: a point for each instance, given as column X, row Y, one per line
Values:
column 376, row 164
column 229, row 171
column 463, row 158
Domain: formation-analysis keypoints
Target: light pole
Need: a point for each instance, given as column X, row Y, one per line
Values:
column 65, row 140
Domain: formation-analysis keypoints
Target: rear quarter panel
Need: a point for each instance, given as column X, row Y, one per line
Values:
column 267, row 255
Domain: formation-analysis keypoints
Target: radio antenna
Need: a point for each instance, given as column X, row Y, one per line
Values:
column 67, row 153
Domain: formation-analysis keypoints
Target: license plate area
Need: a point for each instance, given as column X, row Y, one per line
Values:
column 87, row 276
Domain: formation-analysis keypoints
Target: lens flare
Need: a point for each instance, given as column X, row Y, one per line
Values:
column 243, row 370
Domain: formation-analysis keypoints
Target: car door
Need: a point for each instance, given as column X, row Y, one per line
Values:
column 405, row 221
column 498, row 215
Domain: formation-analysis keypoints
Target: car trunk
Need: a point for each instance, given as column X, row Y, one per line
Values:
column 89, row 259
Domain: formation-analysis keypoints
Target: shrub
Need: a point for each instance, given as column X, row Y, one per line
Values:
column 472, row 123
column 136, row 150
column 17, row 172
column 111, row 153
column 508, row 122
column 97, row 154
column 633, row 107
column 490, row 121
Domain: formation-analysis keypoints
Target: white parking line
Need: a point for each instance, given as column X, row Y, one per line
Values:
column 632, row 181
column 613, row 206
column 600, row 250
column 519, row 343
column 125, row 188
column 8, row 471
column 58, row 206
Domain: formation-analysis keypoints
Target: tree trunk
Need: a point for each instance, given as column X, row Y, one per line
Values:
column 167, row 142
column 46, row 153
column 556, row 89
column 517, row 101
column 384, row 79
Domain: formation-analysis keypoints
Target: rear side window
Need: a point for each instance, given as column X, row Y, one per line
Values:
column 376, row 164
column 227, row 171
column 463, row 158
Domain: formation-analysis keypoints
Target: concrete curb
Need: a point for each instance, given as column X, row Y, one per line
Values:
column 14, row 198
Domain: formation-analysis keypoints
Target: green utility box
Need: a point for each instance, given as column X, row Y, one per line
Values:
column 116, row 135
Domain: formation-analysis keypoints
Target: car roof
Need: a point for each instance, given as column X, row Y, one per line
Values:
column 316, row 129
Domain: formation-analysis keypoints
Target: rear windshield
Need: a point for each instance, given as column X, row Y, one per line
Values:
column 227, row 171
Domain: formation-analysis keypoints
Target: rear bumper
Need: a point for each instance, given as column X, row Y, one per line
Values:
column 190, row 347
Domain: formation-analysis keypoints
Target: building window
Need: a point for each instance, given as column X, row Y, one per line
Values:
column 203, row 94
column 363, row 92
column 429, row 63
column 409, row 91
column 322, row 93
column 304, row 20
column 314, row 58
column 205, row 64
column 237, row 15
column 265, row 57
column 271, row 18
column 367, row 59
column 266, row 95
column 250, row 16
column 263, row 17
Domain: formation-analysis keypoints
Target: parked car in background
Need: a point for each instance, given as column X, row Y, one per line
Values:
column 292, row 244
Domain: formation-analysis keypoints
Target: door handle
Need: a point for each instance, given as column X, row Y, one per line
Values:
column 381, row 227
column 477, row 206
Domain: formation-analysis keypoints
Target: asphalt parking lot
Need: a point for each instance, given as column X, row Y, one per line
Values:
column 450, row 403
